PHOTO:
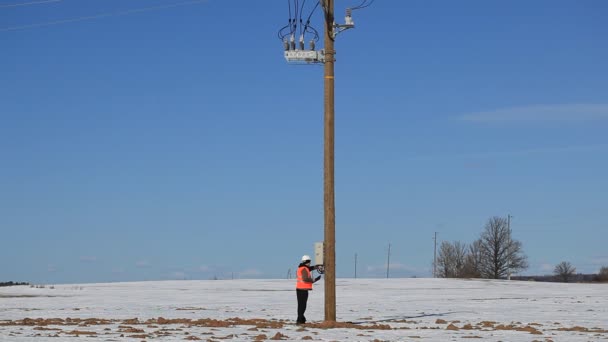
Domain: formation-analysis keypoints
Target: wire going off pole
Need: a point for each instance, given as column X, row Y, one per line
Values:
column 328, row 183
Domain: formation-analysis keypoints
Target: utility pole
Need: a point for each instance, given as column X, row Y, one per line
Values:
column 329, row 197
column 388, row 261
column 509, row 246
column 435, row 257
column 355, row 265
column 298, row 54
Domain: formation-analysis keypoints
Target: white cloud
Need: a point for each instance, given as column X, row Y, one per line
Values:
column 204, row 268
column 88, row 258
column 142, row 264
column 178, row 275
column 546, row 267
column 119, row 270
column 51, row 269
column 563, row 112
column 250, row 273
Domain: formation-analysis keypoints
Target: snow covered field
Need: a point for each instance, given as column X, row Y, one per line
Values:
column 259, row 310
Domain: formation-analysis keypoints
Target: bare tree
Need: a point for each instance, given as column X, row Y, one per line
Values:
column 564, row 271
column 472, row 262
column 444, row 260
column 500, row 254
column 460, row 254
column 603, row 275
column 451, row 259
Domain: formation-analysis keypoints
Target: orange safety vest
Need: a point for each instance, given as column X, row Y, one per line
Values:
column 300, row 283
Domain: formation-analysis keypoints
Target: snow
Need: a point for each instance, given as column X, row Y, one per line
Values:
column 414, row 309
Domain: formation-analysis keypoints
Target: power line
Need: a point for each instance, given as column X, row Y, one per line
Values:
column 101, row 15
column 29, row 3
column 364, row 4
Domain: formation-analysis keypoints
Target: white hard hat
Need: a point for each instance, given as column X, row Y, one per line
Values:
column 305, row 258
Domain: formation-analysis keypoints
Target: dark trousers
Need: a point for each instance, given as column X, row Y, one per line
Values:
column 302, row 299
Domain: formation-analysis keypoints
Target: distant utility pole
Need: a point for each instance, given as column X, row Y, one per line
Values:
column 388, row 261
column 355, row 265
column 435, row 257
column 509, row 246
column 298, row 54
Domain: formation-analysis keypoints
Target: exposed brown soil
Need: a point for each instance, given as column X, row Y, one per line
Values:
column 346, row 325
column 79, row 332
column 279, row 336
column 487, row 324
column 583, row 329
column 134, row 327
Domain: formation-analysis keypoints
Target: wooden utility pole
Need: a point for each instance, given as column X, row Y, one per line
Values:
column 355, row 265
column 329, row 197
column 509, row 252
column 435, row 257
column 388, row 260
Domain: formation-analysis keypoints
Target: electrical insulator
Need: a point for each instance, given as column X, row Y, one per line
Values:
column 312, row 45
column 348, row 20
column 292, row 42
column 302, row 42
column 286, row 45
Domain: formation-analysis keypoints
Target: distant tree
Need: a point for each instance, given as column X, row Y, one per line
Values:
column 451, row 259
column 12, row 283
column 500, row 254
column 603, row 275
column 472, row 261
column 564, row 271
column 444, row 260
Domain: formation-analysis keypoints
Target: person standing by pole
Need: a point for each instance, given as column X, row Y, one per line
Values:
column 304, row 283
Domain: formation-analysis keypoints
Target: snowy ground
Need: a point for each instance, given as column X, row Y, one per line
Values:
column 259, row 310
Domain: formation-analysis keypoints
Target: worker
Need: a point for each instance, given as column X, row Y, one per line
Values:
column 303, row 285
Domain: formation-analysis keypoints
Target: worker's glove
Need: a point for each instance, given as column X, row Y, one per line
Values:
column 317, row 279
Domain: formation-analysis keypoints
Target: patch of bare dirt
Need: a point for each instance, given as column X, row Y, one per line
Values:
column 128, row 329
column 441, row 321
column 46, row 329
column 514, row 327
column 278, row 336
column 487, row 324
column 346, row 325
column 80, row 332
column 142, row 336
column 583, row 329
column 452, row 327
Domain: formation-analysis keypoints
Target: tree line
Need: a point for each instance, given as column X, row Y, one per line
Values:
column 11, row 283
column 566, row 272
column 494, row 255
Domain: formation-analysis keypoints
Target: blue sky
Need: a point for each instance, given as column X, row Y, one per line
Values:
column 167, row 139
